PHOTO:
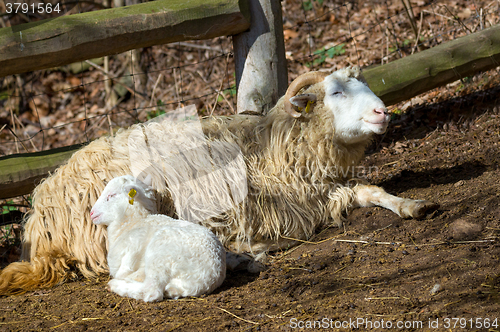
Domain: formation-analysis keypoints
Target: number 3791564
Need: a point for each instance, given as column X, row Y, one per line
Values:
column 40, row 8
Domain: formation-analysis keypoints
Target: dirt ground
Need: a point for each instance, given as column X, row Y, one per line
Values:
column 379, row 272
column 379, row 269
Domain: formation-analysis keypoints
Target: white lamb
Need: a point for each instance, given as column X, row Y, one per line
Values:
column 151, row 255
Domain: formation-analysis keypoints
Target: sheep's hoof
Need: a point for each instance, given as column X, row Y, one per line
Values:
column 421, row 208
column 241, row 261
column 339, row 222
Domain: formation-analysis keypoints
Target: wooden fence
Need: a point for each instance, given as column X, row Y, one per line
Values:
column 68, row 39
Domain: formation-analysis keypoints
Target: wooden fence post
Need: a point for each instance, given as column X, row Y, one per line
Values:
column 261, row 70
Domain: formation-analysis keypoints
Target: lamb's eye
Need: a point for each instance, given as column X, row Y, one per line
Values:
column 337, row 93
column 109, row 196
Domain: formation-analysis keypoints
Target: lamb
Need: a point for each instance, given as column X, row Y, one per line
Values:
column 300, row 159
column 151, row 254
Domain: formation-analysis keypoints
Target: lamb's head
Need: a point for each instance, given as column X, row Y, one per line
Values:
column 356, row 111
column 122, row 195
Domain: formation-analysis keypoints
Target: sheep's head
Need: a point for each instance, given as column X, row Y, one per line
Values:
column 119, row 196
column 357, row 112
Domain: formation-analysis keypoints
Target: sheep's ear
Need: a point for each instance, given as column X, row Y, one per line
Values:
column 303, row 101
column 148, row 181
column 353, row 71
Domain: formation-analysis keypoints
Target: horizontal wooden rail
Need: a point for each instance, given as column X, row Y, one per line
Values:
column 410, row 76
column 67, row 39
column 20, row 173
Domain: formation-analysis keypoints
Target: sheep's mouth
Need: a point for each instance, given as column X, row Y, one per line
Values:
column 377, row 123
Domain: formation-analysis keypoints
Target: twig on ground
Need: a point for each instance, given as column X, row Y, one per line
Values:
column 381, row 229
column 447, row 304
column 386, row 298
column 243, row 319
column 340, row 269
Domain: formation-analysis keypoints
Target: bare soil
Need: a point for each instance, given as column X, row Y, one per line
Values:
column 441, row 273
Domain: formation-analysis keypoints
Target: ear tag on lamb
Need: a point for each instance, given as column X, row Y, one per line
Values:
column 308, row 106
column 132, row 194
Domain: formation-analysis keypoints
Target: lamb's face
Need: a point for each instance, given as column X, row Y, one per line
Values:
column 357, row 112
column 120, row 195
column 112, row 203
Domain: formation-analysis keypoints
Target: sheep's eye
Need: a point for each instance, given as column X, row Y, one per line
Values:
column 337, row 93
column 109, row 196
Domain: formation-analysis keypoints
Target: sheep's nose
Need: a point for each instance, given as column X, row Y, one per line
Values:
column 91, row 213
column 381, row 111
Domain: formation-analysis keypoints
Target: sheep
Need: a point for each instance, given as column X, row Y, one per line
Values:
column 151, row 254
column 299, row 161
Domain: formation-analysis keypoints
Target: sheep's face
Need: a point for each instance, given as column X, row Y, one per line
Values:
column 357, row 112
column 118, row 197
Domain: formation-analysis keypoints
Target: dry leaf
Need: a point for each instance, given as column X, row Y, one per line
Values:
column 465, row 14
column 289, row 34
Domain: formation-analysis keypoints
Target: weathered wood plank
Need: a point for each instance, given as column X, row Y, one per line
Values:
column 410, row 76
column 20, row 173
column 67, row 39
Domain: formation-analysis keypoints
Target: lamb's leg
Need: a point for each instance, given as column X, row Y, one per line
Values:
column 138, row 275
column 366, row 195
column 147, row 291
column 124, row 287
column 128, row 264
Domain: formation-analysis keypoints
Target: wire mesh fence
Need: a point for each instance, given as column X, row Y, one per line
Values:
column 80, row 102
column 367, row 33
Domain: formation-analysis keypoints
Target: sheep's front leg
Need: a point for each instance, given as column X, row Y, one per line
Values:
column 128, row 264
column 366, row 196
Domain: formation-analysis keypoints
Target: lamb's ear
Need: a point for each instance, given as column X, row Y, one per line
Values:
column 131, row 190
column 302, row 101
column 148, row 181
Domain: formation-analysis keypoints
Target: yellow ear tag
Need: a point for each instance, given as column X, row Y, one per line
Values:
column 308, row 107
column 131, row 194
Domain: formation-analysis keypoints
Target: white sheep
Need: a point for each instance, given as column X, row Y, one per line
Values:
column 300, row 161
column 151, row 255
